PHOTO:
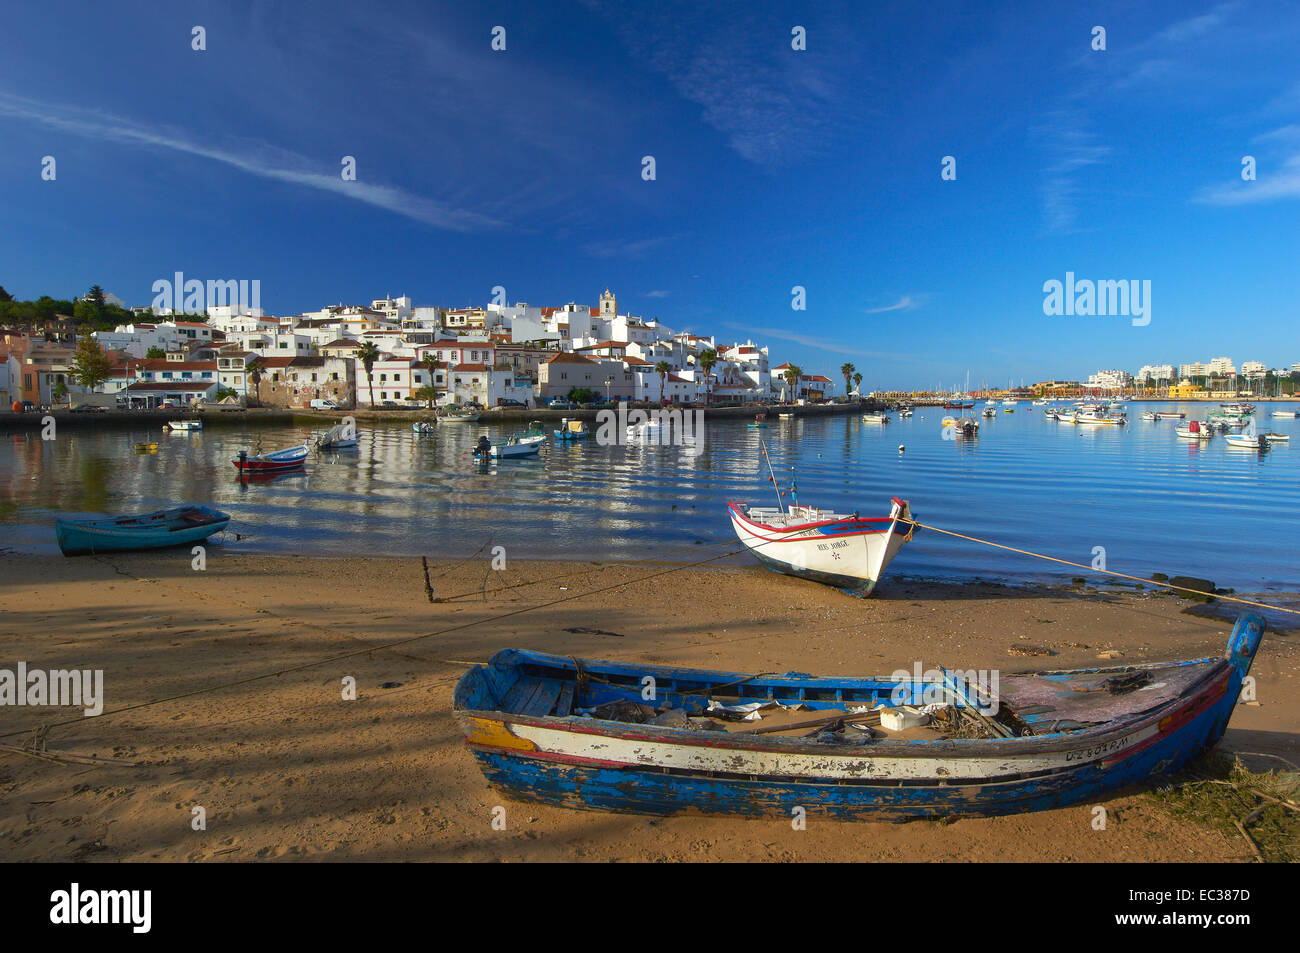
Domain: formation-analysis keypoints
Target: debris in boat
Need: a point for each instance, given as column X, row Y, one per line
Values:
column 1110, row 653
column 748, row 711
column 583, row 630
column 902, row 718
column 633, row 712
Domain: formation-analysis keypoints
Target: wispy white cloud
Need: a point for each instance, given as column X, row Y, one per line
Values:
column 1269, row 186
column 1069, row 148
column 626, row 249
column 808, row 340
column 773, row 104
column 258, row 159
column 905, row 303
column 657, row 294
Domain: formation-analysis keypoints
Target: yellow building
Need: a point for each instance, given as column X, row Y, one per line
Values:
column 1188, row 392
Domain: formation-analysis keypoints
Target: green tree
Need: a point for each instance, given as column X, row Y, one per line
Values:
column 96, row 297
column 155, row 353
column 428, row 393
column 707, row 360
column 90, row 366
column 847, row 370
column 368, row 354
column 662, row 369
column 857, row 383
column 255, row 374
column 432, row 364
column 792, row 375
column 4, row 295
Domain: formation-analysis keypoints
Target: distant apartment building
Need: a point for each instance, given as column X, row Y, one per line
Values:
column 1222, row 366
column 1253, row 369
column 1111, row 380
column 1155, row 373
column 1194, row 369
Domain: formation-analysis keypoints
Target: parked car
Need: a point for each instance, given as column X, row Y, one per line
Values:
column 507, row 402
column 324, row 403
column 29, row 407
column 560, row 404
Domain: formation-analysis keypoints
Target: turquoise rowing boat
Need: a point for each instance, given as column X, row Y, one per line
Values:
column 178, row 526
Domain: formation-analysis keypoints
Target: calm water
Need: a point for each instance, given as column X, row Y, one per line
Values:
column 1156, row 503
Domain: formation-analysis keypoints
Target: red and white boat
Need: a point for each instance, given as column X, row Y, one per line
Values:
column 276, row 462
column 849, row 552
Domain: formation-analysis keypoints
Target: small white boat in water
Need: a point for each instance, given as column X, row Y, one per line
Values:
column 424, row 427
column 183, row 425
column 1277, row 437
column 1284, row 413
column 875, row 418
column 458, row 415
column 1247, row 442
column 1169, row 415
column 1150, row 415
column 1195, row 430
column 338, row 437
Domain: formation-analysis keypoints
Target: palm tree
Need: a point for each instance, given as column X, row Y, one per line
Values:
column 368, row 354
column 662, row 369
column 792, row 375
column 256, row 376
column 431, row 364
column 857, row 383
column 847, row 370
column 707, row 361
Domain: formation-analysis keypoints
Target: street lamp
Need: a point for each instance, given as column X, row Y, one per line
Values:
column 608, row 384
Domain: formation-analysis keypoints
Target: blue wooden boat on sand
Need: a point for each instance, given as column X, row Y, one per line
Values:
column 179, row 526
column 580, row 734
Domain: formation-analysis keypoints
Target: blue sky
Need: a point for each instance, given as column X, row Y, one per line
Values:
column 775, row 168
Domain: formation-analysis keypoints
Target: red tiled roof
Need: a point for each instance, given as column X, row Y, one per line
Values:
column 564, row 357
column 342, row 342
column 618, row 345
column 469, row 367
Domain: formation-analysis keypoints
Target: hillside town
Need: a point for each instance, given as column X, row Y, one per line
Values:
column 392, row 354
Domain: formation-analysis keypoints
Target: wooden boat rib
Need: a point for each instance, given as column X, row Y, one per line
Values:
column 1093, row 730
column 179, row 526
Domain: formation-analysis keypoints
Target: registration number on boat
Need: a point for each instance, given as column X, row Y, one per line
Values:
column 838, row 544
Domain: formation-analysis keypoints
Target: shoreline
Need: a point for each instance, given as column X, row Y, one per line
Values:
column 286, row 769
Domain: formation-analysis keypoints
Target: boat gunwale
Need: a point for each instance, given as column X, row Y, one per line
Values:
column 815, row 525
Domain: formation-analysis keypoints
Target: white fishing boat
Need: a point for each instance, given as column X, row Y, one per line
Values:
column 457, row 415
column 960, row 427
column 184, row 425
column 1247, row 441
column 1284, row 413
column 1195, row 430
column 1237, row 409
column 517, row 446
column 1150, row 415
column 424, row 427
column 338, row 437
column 989, row 412
column 875, row 418
column 1277, row 437
column 1100, row 417
column 1041, row 402
column 1010, row 403
column 1169, row 415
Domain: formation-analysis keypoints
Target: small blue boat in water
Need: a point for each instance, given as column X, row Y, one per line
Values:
column 179, row 526
column 585, row 734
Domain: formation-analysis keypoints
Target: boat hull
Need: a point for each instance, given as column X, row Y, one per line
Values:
column 591, row 764
column 90, row 537
column 849, row 554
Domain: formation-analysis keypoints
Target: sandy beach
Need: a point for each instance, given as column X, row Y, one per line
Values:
column 285, row 768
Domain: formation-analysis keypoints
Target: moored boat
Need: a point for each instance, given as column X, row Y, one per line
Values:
column 1247, row 441
column 289, row 459
column 183, row 425
column 1284, row 413
column 578, row 733
column 1195, row 430
column 178, row 526
column 842, row 550
column 424, row 427
column 875, row 418
column 457, row 415
column 1277, row 437
column 338, row 437
column 1169, row 415
column 571, row 430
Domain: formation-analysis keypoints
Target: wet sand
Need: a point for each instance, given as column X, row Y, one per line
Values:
column 285, row 768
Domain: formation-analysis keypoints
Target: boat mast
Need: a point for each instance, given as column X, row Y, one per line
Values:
column 776, row 487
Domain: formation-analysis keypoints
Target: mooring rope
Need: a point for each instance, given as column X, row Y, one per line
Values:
column 1109, row 572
